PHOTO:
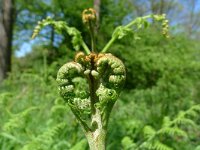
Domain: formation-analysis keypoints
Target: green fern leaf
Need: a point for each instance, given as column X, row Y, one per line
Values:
column 61, row 27
column 17, row 120
column 160, row 146
column 149, row 131
column 45, row 140
column 172, row 131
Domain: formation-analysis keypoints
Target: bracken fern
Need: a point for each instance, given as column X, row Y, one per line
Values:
column 103, row 74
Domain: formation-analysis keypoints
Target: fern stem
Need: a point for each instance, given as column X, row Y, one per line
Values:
column 108, row 45
column 97, row 137
column 128, row 26
column 92, row 36
column 136, row 21
column 85, row 47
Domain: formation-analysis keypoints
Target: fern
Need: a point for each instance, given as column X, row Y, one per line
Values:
column 62, row 28
column 127, row 143
column 4, row 96
column 172, row 131
column 149, row 132
column 17, row 119
column 80, row 145
column 171, row 128
column 45, row 140
column 157, row 145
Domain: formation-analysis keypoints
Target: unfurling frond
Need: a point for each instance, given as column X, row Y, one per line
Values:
column 62, row 28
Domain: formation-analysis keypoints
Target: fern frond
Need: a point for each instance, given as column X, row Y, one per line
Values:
column 154, row 145
column 59, row 26
column 17, row 119
column 4, row 96
column 11, row 137
column 45, row 140
column 193, row 111
column 62, row 27
column 56, row 108
column 157, row 145
column 183, row 121
column 196, row 108
column 166, row 121
column 172, row 131
column 170, row 128
column 149, row 131
column 183, row 117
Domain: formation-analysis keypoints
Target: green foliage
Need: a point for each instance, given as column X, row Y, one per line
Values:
column 62, row 28
column 80, row 145
column 105, row 81
column 45, row 140
column 134, row 26
column 30, row 119
column 159, row 108
column 17, row 120
column 127, row 143
column 170, row 128
column 146, row 101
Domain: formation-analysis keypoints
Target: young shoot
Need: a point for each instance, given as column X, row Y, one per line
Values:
column 91, row 84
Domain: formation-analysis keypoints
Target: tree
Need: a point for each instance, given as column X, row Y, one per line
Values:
column 97, row 4
column 6, row 26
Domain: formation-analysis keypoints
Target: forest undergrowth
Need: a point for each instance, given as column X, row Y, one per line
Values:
column 158, row 109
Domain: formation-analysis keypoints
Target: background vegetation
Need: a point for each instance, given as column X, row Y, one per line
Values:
column 159, row 107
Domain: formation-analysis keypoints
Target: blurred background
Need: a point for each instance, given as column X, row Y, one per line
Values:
column 162, row 74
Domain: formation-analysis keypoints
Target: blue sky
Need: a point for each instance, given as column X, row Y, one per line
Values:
column 24, row 49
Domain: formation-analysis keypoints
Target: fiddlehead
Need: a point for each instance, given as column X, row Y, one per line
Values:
column 72, row 85
column 112, row 77
column 106, row 70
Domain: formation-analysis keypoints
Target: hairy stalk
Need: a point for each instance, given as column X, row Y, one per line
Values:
column 97, row 137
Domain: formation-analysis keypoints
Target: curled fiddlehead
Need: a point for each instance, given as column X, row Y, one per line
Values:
column 72, row 85
column 93, row 82
column 106, row 71
column 112, row 77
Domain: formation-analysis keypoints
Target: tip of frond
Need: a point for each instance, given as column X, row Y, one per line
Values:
column 33, row 36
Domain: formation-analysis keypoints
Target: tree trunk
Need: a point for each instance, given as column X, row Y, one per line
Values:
column 6, row 26
column 97, row 4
